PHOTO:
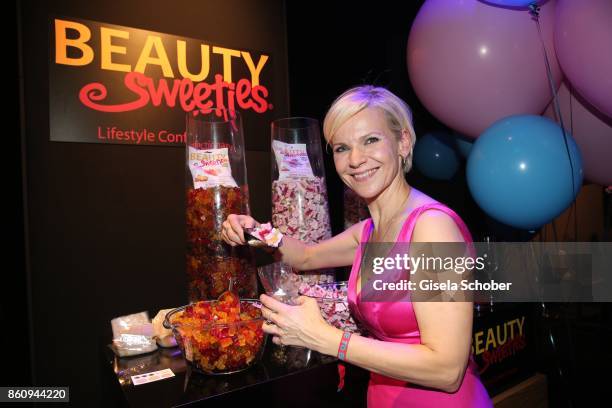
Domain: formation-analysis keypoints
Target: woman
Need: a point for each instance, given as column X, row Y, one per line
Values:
column 420, row 351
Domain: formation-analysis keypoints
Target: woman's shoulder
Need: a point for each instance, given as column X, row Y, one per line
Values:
column 357, row 230
column 435, row 222
column 422, row 201
column 437, row 226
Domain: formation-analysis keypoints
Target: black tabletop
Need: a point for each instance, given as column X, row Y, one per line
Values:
column 288, row 376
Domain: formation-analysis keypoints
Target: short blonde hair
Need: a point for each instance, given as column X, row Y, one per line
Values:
column 396, row 111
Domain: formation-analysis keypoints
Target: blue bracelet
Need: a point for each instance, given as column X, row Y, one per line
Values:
column 346, row 336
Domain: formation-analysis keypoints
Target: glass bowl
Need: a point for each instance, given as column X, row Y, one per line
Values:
column 214, row 342
column 280, row 281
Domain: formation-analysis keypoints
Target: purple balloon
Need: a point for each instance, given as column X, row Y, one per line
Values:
column 583, row 39
column 472, row 64
column 592, row 132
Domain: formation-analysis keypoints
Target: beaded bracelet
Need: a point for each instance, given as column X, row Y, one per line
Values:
column 342, row 348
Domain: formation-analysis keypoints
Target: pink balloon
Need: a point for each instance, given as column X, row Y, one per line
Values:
column 592, row 132
column 471, row 63
column 583, row 39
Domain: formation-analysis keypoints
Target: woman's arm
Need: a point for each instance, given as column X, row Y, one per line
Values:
column 445, row 329
column 336, row 251
column 438, row 362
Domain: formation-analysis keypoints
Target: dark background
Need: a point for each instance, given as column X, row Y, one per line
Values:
column 100, row 241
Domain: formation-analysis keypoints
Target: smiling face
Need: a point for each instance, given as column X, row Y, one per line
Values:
column 367, row 154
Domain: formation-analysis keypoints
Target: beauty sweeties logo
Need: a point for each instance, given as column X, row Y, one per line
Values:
column 116, row 84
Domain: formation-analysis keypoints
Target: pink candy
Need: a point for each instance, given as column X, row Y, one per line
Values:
column 333, row 303
column 267, row 234
column 299, row 209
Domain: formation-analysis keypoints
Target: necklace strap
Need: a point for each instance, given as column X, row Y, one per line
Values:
column 398, row 213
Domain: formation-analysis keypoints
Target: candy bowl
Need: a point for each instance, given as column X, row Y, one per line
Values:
column 219, row 336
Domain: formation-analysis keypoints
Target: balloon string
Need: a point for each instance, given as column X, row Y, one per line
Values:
column 570, row 89
column 534, row 10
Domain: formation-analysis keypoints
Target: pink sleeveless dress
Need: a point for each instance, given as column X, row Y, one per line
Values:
column 396, row 322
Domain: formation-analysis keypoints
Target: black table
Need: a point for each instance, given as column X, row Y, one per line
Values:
column 300, row 377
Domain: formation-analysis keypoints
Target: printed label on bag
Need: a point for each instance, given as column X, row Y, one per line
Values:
column 292, row 160
column 152, row 376
column 210, row 168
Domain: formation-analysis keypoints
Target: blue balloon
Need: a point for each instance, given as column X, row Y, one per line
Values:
column 519, row 171
column 464, row 146
column 513, row 3
column 435, row 157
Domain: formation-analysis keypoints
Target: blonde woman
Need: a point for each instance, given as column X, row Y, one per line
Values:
column 418, row 353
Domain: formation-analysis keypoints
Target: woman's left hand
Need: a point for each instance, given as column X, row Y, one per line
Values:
column 299, row 325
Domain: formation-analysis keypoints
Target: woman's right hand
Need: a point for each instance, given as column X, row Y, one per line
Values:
column 232, row 231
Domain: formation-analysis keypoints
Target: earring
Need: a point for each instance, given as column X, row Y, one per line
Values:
column 403, row 162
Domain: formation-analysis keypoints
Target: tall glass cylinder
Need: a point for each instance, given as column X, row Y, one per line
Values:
column 216, row 186
column 299, row 193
